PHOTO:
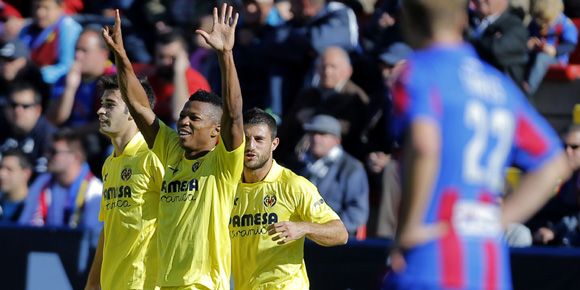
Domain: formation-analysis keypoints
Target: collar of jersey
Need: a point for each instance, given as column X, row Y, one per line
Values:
column 134, row 145
column 274, row 172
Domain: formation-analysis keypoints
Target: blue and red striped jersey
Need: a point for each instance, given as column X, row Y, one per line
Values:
column 486, row 125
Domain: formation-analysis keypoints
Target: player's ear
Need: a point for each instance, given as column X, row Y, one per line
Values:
column 275, row 143
column 215, row 131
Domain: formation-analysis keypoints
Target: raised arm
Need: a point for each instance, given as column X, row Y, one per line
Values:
column 131, row 90
column 221, row 39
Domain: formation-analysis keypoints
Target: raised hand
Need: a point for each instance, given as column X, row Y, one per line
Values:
column 113, row 37
column 222, row 35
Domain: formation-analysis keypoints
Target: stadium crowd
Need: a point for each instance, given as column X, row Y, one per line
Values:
column 325, row 71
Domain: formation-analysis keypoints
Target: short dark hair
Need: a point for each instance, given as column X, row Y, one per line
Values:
column 74, row 142
column 210, row 98
column 171, row 37
column 25, row 160
column 110, row 82
column 25, row 86
column 256, row 116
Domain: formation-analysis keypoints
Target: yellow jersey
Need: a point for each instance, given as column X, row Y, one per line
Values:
column 195, row 206
column 129, row 208
column 257, row 261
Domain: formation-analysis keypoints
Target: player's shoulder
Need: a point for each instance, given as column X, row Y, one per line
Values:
column 293, row 182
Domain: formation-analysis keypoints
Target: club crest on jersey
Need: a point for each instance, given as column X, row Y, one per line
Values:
column 195, row 167
column 126, row 173
column 269, row 201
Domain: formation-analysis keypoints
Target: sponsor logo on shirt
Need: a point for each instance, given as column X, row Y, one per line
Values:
column 182, row 187
column 117, row 196
column 319, row 202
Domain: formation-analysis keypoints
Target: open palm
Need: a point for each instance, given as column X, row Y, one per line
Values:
column 222, row 35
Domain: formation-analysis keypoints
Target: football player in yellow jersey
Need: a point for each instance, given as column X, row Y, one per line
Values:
column 126, row 256
column 201, row 177
column 274, row 209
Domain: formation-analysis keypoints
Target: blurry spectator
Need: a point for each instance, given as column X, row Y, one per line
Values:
column 558, row 220
column 201, row 54
column 174, row 80
column 553, row 37
column 499, row 37
column 26, row 127
column 51, row 37
column 293, row 47
column 15, row 172
column 16, row 67
column 384, row 29
column 340, row 178
column 335, row 95
column 12, row 22
column 75, row 97
column 379, row 141
column 69, row 194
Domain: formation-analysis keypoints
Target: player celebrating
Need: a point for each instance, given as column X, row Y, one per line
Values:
column 464, row 123
column 274, row 210
column 126, row 256
column 198, row 189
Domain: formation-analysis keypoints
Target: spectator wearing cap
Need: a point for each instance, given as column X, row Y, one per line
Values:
column 341, row 179
column 12, row 22
column 51, row 38
column 16, row 67
column 383, row 170
column 335, row 95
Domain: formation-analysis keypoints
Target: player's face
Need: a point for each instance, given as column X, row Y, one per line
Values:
column 573, row 140
column 114, row 117
column 321, row 143
column 12, row 175
column 197, row 126
column 259, row 146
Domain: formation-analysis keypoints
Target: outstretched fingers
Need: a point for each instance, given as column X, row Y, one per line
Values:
column 223, row 14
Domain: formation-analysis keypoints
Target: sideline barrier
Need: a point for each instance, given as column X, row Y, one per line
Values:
column 25, row 254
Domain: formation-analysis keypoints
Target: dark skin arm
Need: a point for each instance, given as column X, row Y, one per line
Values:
column 131, row 90
column 221, row 39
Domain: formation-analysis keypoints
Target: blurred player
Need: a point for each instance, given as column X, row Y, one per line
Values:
column 464, row 122
column 198, row 190
column 126, row 256
column 274, row 209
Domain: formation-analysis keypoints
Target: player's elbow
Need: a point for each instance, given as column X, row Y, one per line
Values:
column 342, row 235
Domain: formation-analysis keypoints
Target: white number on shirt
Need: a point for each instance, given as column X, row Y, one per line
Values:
column 497, row 124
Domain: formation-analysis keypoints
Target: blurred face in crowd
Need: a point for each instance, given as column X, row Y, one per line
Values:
column 490, row 7
column 91, row 54
column 333, row 68
column 12, row 176
column 259, row 146
column 60, row 157
column 46, row 12
column 114, row 117
column 165, row 56
column 10, row 67
column 22, row 112
column 11, row 27
column 321, row 143
column 572, row 142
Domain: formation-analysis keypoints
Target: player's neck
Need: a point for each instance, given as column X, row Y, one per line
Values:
column 120, row 142
column 446, row 38
column 257, row 175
